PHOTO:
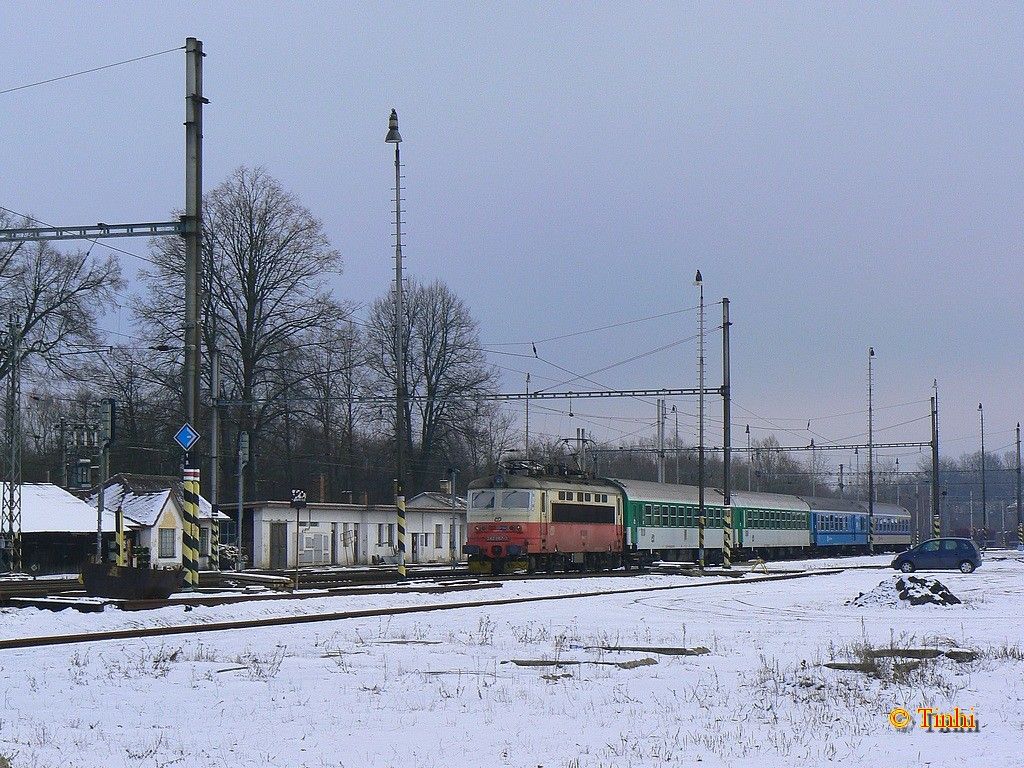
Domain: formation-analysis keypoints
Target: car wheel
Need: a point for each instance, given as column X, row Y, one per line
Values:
column 966, row 566
column 907, row 567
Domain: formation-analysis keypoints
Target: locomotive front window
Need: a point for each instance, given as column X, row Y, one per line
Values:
column 515, row 500
column 483, row 500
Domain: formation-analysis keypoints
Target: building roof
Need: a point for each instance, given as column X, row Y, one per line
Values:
column 434, row 500
column 48, row 508
column 143, row 497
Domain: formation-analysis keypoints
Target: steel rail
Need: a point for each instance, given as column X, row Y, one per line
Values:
column 280, row 621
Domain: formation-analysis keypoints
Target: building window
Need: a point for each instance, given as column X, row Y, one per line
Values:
column 391, row 535
column 204, row 541
column 380, row 534
column 438, row 535
column 166, row 543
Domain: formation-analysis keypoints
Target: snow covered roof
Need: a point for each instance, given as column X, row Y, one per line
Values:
column 143, row 497
column 48, row 508
column 435, row 500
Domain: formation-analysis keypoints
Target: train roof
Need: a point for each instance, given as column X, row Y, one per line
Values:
column 884, row 508
column 822, row 504
column 852, row 505
column 769, row 500
column 554, row 482
column 645, row 490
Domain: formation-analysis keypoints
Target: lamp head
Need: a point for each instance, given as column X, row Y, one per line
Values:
column 698, row 279
column 393, row 137
column 871, row 351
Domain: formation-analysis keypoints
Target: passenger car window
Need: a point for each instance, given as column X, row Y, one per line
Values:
column 930, row 546
column 949, row 545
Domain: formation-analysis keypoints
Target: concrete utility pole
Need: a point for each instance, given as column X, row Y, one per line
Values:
column 726, row 439
column 984, row 506
column 936, row 519
column 243, row 459
column 871, row 460
column 675, row 412
column 107, row 433
column 699, row 282
column 193, row 219
column 1020, row 519
column 394, row 137
column 527, row 416
column 661, row 440
column 452, row 473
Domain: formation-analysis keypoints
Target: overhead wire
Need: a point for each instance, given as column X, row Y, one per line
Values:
column 90, row 71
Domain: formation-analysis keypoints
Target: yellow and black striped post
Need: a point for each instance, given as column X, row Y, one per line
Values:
column 700, row 542
column 727, row 537
column 400, row 507
column 214, row 541
column 190, row 534
column 122, row 553
column 936, row 527
column 1020, row 534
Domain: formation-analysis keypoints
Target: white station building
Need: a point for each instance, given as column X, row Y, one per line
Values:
column 329, row 534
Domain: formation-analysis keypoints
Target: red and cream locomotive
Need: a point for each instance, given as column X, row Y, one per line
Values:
column 543, row 518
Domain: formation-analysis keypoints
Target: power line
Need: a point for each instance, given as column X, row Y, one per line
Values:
column 591, row 330
column 90, row 71
column 91, row 240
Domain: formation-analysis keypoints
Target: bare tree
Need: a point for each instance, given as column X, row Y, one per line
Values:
column 268, row 262
column 445, row 367
column 333, row 375
column 55, row 299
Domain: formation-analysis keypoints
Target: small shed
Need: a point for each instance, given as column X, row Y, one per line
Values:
column 58, row 530
column 154, row 510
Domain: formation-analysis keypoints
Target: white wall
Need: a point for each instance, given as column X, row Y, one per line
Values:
column 343, row 534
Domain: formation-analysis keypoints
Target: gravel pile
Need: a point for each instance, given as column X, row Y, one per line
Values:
column 907, row 590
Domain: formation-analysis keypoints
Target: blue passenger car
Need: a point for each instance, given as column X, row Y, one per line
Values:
column 837, row 525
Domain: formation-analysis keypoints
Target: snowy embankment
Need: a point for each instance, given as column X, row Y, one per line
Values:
column 440, row 688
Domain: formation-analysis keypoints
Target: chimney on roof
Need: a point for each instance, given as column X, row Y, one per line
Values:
column 446, row 487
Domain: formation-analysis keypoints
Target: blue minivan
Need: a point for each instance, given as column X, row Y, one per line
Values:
column 939, row 554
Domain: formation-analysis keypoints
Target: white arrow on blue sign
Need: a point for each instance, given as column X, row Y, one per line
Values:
column 186, row 437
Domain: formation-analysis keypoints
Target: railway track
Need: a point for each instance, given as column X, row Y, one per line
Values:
column 280, row 621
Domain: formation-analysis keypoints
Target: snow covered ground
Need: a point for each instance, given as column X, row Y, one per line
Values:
column 439, row 689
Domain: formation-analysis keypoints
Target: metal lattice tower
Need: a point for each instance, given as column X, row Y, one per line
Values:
column 12, row 453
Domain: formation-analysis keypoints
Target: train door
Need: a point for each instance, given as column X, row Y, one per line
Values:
column 544, row 517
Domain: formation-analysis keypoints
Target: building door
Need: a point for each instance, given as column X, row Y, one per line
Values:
column 355, row 543
column 279, row 545
column 334, row 543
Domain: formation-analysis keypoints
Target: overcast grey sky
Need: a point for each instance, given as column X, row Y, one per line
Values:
column 849, row 175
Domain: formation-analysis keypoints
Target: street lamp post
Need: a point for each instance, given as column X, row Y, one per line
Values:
column 394, row 137
column 750, row 460
column 984, row 508
column 871, row 463
column 699, row 282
